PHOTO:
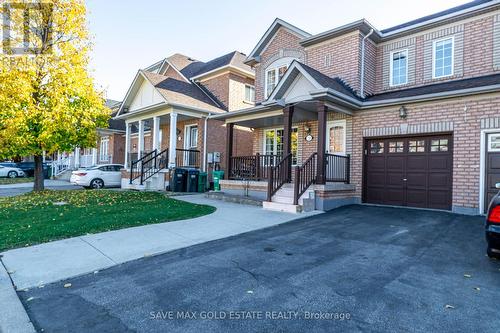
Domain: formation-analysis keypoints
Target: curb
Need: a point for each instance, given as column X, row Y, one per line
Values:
column 13, row 317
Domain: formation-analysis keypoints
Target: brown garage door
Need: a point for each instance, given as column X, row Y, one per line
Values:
column 492, row 166
column 409, row 171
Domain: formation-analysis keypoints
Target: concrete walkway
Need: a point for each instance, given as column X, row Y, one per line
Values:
column 50, row 262
column 16, row 189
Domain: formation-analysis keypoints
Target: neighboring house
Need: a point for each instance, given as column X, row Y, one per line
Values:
column 406, row 116
column 182, row 91
column 110, row 145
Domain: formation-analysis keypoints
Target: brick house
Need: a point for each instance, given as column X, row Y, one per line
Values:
column 186, row 92
column 406, row 116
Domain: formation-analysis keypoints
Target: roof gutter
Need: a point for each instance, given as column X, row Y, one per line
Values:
column 362, row 87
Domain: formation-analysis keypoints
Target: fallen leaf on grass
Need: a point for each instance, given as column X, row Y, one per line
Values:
column 67, row 285
column 448, row 306
column 477, row 288
column 467, row 275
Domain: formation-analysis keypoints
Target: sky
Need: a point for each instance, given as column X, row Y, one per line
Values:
column 129, row 35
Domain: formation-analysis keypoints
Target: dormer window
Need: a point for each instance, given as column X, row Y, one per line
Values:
column 275, row 72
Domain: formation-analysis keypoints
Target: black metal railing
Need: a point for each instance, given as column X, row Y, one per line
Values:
column 136, row 165
column 305, row 176
column 253, row 167
column 338, row 168
column 153, row 165
column 187, row 158
column 278, row 176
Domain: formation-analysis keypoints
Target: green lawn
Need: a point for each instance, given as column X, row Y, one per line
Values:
column 4, row 181
column 35, row 218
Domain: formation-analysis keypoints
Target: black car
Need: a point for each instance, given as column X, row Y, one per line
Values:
column 493, row 227
column 29, row 168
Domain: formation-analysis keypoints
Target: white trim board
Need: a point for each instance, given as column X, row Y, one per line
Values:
column 482, row 167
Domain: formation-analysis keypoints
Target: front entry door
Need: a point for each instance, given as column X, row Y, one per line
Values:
column 492, row 166
column 190, row 143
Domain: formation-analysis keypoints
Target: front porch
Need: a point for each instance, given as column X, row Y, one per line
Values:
column 310, row 161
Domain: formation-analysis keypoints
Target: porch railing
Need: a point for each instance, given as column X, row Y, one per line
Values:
column 278, row 176
column 305, row 176
column 338, row 168
column 187, row 158
column 152, row 165
column 253, row 167
column 136, row 165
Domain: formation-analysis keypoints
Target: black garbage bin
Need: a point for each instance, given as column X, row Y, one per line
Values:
column 179, row 180
column 192, row 181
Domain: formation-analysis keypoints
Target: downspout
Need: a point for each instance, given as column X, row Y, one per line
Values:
column 362, row 85
column 205, row 143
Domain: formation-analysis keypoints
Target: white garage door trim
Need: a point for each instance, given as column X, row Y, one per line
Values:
column 482, row 167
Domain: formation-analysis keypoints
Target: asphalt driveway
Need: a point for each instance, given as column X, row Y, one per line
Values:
column 357, row 268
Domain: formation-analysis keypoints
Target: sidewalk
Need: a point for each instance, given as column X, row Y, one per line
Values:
column 50, row 262
column 16, row 189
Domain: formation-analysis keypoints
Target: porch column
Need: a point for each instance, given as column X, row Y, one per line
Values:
column 77, row 157
column 156, row 133
column 127, row 144
column 287, row 136
column 173, row 140
column 229, row 148
column 140, row 139
column 320, row 174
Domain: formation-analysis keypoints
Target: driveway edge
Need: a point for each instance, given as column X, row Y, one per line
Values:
column 13, row 317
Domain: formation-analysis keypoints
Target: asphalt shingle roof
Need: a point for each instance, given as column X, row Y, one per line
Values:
column 181, row 92
column 335, row 83
column 234, row 58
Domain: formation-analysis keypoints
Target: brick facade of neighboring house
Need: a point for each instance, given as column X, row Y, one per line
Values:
column 464, row 106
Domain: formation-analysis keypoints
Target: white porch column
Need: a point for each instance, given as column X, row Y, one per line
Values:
column 77, row 157
column 173, row 140
column 127, row 143
column 156, row 133
column 43, row 156
column 140, row 139
column 94, row 156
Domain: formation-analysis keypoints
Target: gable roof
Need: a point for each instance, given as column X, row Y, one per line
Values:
column 269, row 34
column 198, row 68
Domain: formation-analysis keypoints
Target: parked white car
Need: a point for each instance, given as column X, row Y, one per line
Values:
column 106, row 175
column 11, row 172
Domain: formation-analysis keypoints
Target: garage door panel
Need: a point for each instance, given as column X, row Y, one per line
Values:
column 417, row 172
column 439, row 162
column 417, row 162
column 494, row 161
column 376, row 179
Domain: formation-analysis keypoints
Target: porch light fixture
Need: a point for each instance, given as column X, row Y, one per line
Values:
column 402, row 112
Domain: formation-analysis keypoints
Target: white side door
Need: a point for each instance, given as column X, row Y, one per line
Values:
column 115, row 175
column 3, row 171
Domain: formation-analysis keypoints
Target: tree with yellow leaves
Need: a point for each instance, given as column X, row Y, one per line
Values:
column 48, row 101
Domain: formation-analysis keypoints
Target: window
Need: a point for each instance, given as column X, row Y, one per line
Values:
column 442, row 65
column 494, row 142
column 439, row 145
column 336, row 137
column 377, row 147
column 416, row 146
column 396, row 146
column 273, row 143
column 399, row 68
column 191, row 137
column 249, row 93
column 274, row 72
column 103, row 151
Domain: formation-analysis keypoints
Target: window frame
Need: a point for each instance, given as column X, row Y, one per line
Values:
column 391, row 66
column 187, row 136
column 252, row 89
column 492, row 150
column 434, row 42
column 275, row 143
column 342, row 123
column 274, row 67
column 102, row 157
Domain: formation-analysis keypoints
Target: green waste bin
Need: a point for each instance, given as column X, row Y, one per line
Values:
column 202, row 182
column 218, row 175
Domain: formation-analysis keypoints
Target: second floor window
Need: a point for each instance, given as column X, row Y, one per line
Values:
column 249, row 93
column 399, row 68
column 273, row 76
column 442, row 58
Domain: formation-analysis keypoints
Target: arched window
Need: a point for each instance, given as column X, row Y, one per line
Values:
column 274, row 72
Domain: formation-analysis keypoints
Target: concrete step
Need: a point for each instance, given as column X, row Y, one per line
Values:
column 282, row 207
column 282, row 199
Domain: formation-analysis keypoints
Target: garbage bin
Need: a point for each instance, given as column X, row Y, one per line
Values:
column 179, row 180
column 192, row 180
column 202, row 182
column 218, row 175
